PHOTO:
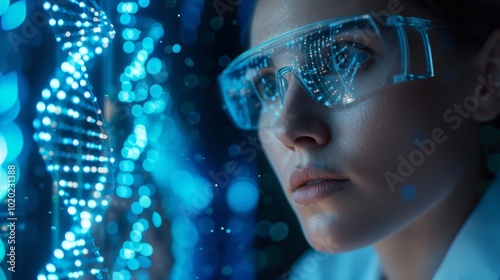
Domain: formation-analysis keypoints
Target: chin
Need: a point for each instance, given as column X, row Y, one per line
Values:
column 328, row 233
column 324, row 234
column 329, row 243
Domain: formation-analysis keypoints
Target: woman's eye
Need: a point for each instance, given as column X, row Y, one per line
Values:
column 267, row 86
column 350, row 56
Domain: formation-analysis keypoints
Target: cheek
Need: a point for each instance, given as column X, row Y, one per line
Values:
column 277, row 154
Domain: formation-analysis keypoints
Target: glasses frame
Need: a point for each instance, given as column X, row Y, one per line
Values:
column 398, row 22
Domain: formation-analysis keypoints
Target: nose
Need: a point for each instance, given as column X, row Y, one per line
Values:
column 303, row 123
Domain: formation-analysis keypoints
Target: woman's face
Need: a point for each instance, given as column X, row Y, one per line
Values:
column 372, row 145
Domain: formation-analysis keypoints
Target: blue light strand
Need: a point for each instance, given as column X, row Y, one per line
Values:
column 156, row 141
column 72, row 139
column 138, row 155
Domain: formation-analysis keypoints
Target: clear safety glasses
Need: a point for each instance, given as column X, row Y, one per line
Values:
column 336, row 62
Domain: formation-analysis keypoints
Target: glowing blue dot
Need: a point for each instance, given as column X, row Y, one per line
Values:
column 46, row 121
column 58, row 253
column 45, row 94
column 146, row 250
column 408, row 193
column 142, row 55
column 156, row 90
column 118, row 275
column 156, row 30
column 154, row 66
column 125, row 179
column 130, row 34
column 127, row 166
column 149, row 107
column 143, row 3
column 50, row 267
column 124, row 191
column 133, row 264
column 136, row 208
column 9, row 90
column 125, row 18
column 4, row 4
column 128, row 47
column 157, row 221
column 137, row 110
column 61, row 95
column 144, row 190
column 176, row 48
column 14, row 140
column 145, row 201
column 142, row 94
column 135, row 236
column 148, row 44
column 54, row 83
column 279, row 231
column 242, row 196
column 14, row 15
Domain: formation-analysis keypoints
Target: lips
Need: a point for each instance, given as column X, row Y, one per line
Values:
column 310, row 175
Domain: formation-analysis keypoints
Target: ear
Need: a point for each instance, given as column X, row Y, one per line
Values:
column 488, row 90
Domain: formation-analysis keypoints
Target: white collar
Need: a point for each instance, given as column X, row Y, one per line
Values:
column 475, row 252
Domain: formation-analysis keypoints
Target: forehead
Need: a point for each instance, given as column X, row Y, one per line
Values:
column 274, row 17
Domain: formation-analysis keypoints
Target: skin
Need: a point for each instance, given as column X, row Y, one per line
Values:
column 362, row 141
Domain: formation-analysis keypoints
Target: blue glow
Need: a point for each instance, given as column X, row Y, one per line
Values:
column 127, row 166
column 136, row 208
column 279, row 231
column 3, row 193
column 182, row 183
column 137, row 110
column 144, row 191
column 13, row 137
column 125, row 19
column 9, row 90
column 157, row 221
column 156, row 31
column 155, row 90
column 184, row 232
column 148, row 44
column 124, row 191
column 146, row 250
column 145, row 201
column 176, row 48
column 4, row 4
column 408, row 193
column 14, row 16
column 3, row 150
column 11, row 114
column 143, row 3
column 128, row 47
column 131, row 34
column 242, row 196
column 125, row 179
column 154, row 66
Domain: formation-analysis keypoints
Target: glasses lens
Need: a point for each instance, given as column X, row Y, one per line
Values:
column 343, row 63
column 335, row 64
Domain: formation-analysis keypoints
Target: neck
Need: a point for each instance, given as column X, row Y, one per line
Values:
column 416, row 251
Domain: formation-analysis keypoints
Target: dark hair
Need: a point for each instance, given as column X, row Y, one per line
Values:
column 477, row 19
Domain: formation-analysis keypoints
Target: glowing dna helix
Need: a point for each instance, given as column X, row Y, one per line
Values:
column 72, row 140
